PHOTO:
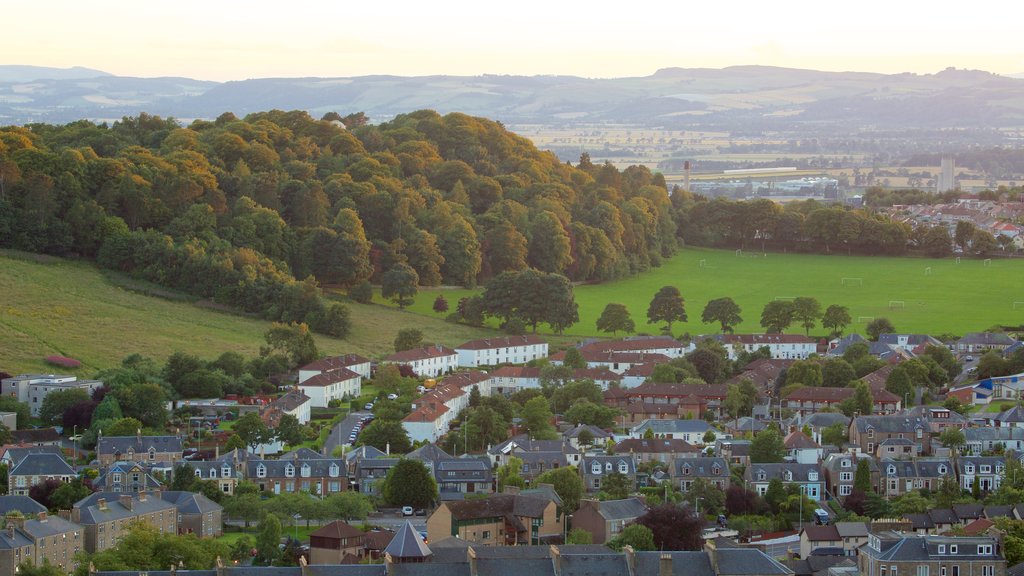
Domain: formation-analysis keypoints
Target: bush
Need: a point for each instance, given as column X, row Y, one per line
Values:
column 62, row 362
column 362, row 293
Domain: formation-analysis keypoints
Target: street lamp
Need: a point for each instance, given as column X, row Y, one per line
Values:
column 296, row 517
column 696, row 503
column 74, row 443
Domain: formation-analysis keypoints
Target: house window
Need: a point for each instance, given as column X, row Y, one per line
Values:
column 261, row 471
column 956, row 571
column 985, row 550
column 845, row 464
column 199, row 473
column 812, row 476
column 716, row 470
column 761, row 475
column 892, row 570
column 871, row 432
column 969, row 468
column 942, row 469
column 885, row 570
column 845, row 490
column 942, row 571
column 920, row 433
column 984, row 469
column 988, row 571
column 952, row 550
column 213, row 472
column 623, row 468
column 942, row 548
column 595, row 468
column 152, row 454
column 289, row 470
column 225, row 472
column 846, row 476
column 922, row 571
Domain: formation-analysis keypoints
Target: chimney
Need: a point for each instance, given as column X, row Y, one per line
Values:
column 389, row 564
column 41, row 517
column 216, row 452
column 665, row 564
column 65, row 514
column 138, row 435
column 471, row 558
column 630, row 559
column 125, row 500
column 101, row 503
column 556, row 560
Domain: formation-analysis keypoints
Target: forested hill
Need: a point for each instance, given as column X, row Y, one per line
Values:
column 236, row 209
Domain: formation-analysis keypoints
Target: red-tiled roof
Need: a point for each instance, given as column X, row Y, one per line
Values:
column 679, row 390
column 328, row 378
column 516, row 372
column 765, row 339
column 501, row 342
column 432, row 351
column 335, row 362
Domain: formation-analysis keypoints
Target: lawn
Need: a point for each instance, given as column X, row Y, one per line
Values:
column 917, row 294
column 54, row 306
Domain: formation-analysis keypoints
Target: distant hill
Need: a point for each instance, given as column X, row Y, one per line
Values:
column 739, row 98
column 17, row 73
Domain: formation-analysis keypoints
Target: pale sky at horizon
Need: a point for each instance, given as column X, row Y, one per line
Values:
column 219, row 40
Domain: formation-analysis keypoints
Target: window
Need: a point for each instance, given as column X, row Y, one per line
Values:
column 885, row 570
column 871, row 432
column 952, row 550
column 846, row 476
column 213, row 472
column 922, row 571
column 892, row 470
column 942, row 571
column 892, row 570
column 812, row 476
column 956, row 569
column 761, row 475
column 942, row 548
column 225, row 472
column 984, row 469
column 845, row 463
column 988, row 571
column 608, row 466
column 920, row 433
column 595, row 468
column 199, row 473
column 623, row 468
column 152, row 454
column 985, row 550
column 261, row 471
column 845, row 490
column 289, row 470
column 969, row 468
column 942, row 469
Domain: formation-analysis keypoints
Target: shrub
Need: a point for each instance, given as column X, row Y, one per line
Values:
column 62, row 362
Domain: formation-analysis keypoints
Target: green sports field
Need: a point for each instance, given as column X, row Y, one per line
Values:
column 917, row 294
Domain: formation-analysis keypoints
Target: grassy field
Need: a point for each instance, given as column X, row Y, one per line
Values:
column 53, row 306
column 952, row 298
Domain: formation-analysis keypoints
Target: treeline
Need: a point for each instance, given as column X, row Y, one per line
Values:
column 240, row 210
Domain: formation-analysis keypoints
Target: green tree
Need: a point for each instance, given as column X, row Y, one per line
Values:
column 767, row 447
column 267, row 539
column 576, row 536
column 724, row 311
column 836, row 435
column 407, row 339
column 879, row 326
column 440, row 305
column 667, row 306
column 64, row 497
column 806, row 311
column 861, row 403
column 55, row 403
column 537, row 419
column 775, row 495
column 400, row 284
column 567, row 484
column 806, row 372
column 245, row 507
column 584, row 411
column 837, row 373
column 899, row 384
column 289, row 431
column 46, row 569
column 549, row 246
column 574, row 358
column 862, row 477
column 409, row 483
column 123, row 427
column 362, row 292
column 616, row 486
column 508, row 474
column 963, row 234
column 705, row 497
column 386, row 435
column 778, row 315
column 532, row 297
column 740, row 398
column 11, row 404
column 982, row 243
column 294, row 339
column 253, row 431
column 936, row 242
column 708, row 438
column 637, row 536
column 615, row 318
column 836, row 319
column 952, row 438
column 348, row 505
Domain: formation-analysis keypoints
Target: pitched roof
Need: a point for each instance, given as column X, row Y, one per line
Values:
column 329, row 378
column 422, row 353
column 30, row 435
column 625, row 509
column 43, row 465
column 747, row 561
column 23, row 504
column 190, row 502
column 407, row 543
column 852, row 529
column 335, row 362
column 138, row 444
column 821, row 533
column 501, row 342
column 673, row 426
column 797, row 440
column 337, row 529
column 498, row 505
column 290, row 400
column 655, row 446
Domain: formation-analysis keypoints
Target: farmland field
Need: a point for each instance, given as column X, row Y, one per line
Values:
column 916, row 294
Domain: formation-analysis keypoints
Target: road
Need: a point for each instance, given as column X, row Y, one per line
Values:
column 342, row 430
column 966, row 375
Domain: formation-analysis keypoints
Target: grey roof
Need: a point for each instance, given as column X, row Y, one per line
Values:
column 365, row 452
column 943, row 516
column 463, row 470
column 834, row 462
column 301, row 454
column 969, row 511
column 893, row 424
column 993, row 434
column 673, row 426
column 430, row 452
column 912, row 339
column 920, row 468
column 290, row 400
column 594, row 431
column 593, row 565
column 1011, row 350
column 543, row 491
column 1015, row 414
column 925, row 548
column 23, row 504
column 407, row 543
column 499, row 505
column 1015, row 570
column 999, row 511
column 744, row 561
column 14, row 455
column 43, row 465
column 587, row 463
column 91, row 513
column 845, row 342
column 52, row 526
column 137, row 444
column 683, row 563
column 7, row 542
column 625, row 509
column 520, row 567
column 896, row 442
column 522, row 443
column 852, row 529
column 701, row 467
column 190, row 502
column 986, row 339
column 414, row 569
column 799, row 472
column 995, row 463
column 318, row 467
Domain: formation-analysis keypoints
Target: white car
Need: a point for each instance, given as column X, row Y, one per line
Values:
column 407, row 511
column 392, row 396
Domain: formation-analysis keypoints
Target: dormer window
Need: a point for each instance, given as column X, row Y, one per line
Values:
column 261, row 471
column 761, row 475
column 985, row 469
column 984, row 549
column 686, row 471
column 920, row 433
column 812, row 476
column 289, row 470
column 942, row 548
column 789, row 475
column 213, row 472
column 305, row 470
column 152, row 453
column 871, row 432
column 608, row 467
column 333, row 471
column 716, row 470
column 952, row 548
column 892, row 470
column 845, row 463
column 199, row 473
column 225, row 472
column 595, row 468
column 942, row 469
column 623, row 468
column 969, row 468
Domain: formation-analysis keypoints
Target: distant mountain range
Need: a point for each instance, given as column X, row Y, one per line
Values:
column 738, row 99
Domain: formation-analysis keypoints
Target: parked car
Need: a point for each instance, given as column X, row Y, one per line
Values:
column 407, row 511
column 420, row 512
column 392, row 396
column 368, row 406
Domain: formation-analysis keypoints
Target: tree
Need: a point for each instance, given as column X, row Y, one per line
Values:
column 407, row 339
column 549, row 246
column 268, row 539
column 409, row 483
column 767, row 447
column 982, row 242
column 289, row 431
column 123, row 427
column 400, row 284
column 27, row 568
column 836, row 319
column 253, row 431
column 349, row 505
column 777, row 315
column 245, row 507
column 667, row 306
column 537, row 419
column 936, row 242
column 806, row 372
column 952, row 438
column 673, row 527
column 705, row 498
column 508, row 474
column 862, row 477
column 724, row 311
column 337, row 321
column 775, row 495
column 65, row 496
column 740, row 398
column 584, row 411
column 836, row 435
column 616, row 486
column 963, row 234
column 899, row 384
column 574, row 359
column 362, row 292
column 861, row 403
column 837, row 373
column 806, row 311
column 532, row 297
column 386, row 435
column 579, row 536
column 293, row 339
column 879, row 326
column 57, row 402
column 615, row 318
column 440, row 304
column 636, row 536
column 567, row 484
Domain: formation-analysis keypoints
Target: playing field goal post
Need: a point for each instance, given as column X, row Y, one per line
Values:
column 703, row 263
column 986, row 262
column 896, row 304
column 852, row 281
column 928, row 271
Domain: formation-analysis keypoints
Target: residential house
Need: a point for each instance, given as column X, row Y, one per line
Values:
column 594, row 470
column 597, row 436
column 427, row 361
column 126, row 477
column 780, row 346
column 44, row 539
column 866, row 432
column 909, row 342
column 814, row 537
column 714, row 470
column 736, row 452
column 890, row 554
column 690, row 431
column 987, row 439
column 320, row 476
column 36, row 469
column 840, row 469
column 455, row 477
column 497, row 520
column 433, row 412
column 11, row 455
column 744, row 425
column 605, row 520
column 501, row 350
column 807, row 477
column 138, row 448
column 853, row 535
column 981, row 342
column 664, row 450
column 354, row 362
column 619, row 363
column 331, row 385
column 197, row 514
column 764, row 373
column 712, row 396
column 897, row 477
column 899, row 448
column 336, row 543
column 225, row 470
column 538, row 456
column 20, row 504
column 802, row 449
column 662, row 345
column 811, row 399
column 937, row 417
column 33, row 388
column 38, row 437
column 106, row 516
column 987, row 470
column 295, row 403
column 1009, row 418
column 371, row 472
column 818, row 422
column 508, row 380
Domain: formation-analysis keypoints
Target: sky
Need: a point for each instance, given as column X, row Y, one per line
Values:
column 225, row 40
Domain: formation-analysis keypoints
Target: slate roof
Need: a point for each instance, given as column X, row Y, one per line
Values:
column 334, row 363
column 800, row 472
column 925, row 548
column 523, row 444
column 797, row 440
column 16, row 453
column 701, row 467
column 985, row 339
column 43, row 465
column 546, row 491
column 746, row 561
column 30, row 435
column 655, row 446
column 893, row 424
column 943, row 516
column 501, row 342
column 593, row 565
column 596, row 432
column 92, row 514
column 626, row 509
column 969, row 511
column 301, row 454
column 407, row 543
column 993, row 434
column 140, row 445
column 499, row 505
column 328, row 378
column 422, row 353
column 673, row 426
column 8, row 542
column 828, row 533
column 1015, row 414
column 824, row 419
column 52, row 526
column 318, row 468
column 23, row 504
column 852, row 529
column 429, row 451
column 999, row 511
column 683, row 563
column 586, row 464
column 290, row 400
column 190, row 502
